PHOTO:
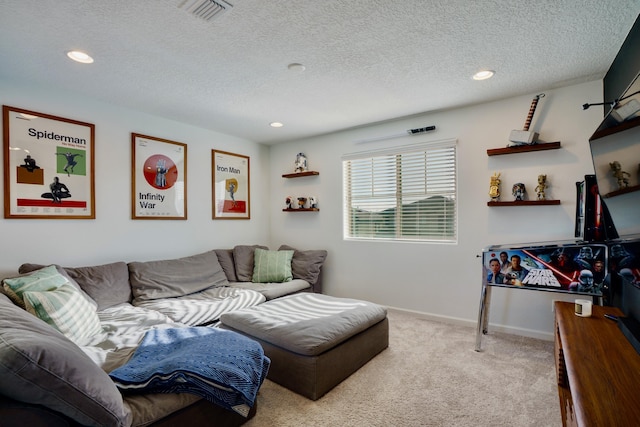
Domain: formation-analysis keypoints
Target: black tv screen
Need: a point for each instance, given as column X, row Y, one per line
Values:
column 615, row 151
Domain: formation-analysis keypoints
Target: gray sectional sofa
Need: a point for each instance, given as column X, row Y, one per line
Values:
column 56, row 372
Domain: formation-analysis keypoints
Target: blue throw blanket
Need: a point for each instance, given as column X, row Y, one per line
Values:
column 222, row 366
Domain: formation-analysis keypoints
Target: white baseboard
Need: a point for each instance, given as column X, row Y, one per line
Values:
column 529, row 333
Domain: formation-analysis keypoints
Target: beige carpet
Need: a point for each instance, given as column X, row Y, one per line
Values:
column 431, row 376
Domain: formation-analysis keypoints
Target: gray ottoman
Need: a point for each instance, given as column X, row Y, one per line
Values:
column 314, row 341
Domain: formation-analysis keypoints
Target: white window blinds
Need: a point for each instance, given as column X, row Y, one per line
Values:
column 407, row 193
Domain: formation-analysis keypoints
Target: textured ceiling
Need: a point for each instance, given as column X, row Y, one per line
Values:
column 366, row 60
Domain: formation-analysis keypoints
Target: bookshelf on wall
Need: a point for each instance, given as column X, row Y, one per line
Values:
column 524, row 148
column 300, row 175
column 543, row 146
column 627, row 129
column 525, row 203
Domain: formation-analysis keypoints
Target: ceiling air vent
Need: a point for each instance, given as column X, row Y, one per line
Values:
column 205, row 9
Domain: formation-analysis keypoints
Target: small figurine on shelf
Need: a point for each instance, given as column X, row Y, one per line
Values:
column 619, row 174
column 313, row 202
column 289, row 202
column 301, row 163
column 518, row 191
column 542, row 185
column 301, row 202
column 494, row 187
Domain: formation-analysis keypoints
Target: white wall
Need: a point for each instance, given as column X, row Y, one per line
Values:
column 445, row 280
column 438, row 280
column 113, row 235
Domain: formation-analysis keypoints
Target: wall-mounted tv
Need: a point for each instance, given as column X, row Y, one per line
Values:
column 615, row 150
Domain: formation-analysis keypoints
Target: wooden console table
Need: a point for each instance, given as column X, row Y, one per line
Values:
column 598, row 370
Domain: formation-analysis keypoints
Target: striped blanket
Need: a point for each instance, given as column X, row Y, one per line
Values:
column 221, row 366
column 204, row 307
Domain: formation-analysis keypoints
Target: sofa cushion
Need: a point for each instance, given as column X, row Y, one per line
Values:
column 272, row 266
column 274, row 290
column 243, row 260
column 225, row 258
column 39, row 365
column 43, row 279
column 176, row 277
column 305, row 323
column 107, row 284
column 65, row 309
column 306, row 265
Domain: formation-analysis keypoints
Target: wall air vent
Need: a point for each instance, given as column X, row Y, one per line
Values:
column 205, row 9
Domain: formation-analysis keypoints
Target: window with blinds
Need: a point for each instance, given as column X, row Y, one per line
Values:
column 408, row 193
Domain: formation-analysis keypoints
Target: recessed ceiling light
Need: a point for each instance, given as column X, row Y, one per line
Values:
column 78, row 56
column 296, row 67
column 276, row 124
column 483, row 75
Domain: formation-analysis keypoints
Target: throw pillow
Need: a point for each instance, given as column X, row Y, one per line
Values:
column 107, row 284
column 28, row 268
column 45, row 279
column 40, row 366
column 65, row 309
column 306, row 265
column 243, row 259
column 272, row 266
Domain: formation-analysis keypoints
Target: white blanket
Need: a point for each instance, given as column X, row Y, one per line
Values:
column 124, row 326
column 203, row 308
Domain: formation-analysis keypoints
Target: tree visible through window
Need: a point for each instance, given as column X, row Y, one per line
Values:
column 407, row 193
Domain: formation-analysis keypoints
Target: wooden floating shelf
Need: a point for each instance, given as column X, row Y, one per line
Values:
column 621, row 127
column 524, row 148
column 300, row 174
column 525, row 203
column 625, row 190
column 301, row 210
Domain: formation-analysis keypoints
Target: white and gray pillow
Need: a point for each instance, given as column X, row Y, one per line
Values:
column 106, row 285
column 64, row 309
column 43, row 279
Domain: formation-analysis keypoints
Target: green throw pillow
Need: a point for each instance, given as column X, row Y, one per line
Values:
column 45, row 279
column 272, row 266
column 65, row 309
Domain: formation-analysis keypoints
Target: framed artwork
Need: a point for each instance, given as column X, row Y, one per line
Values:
column 158, row 178
column 231, row 192
column 48, row 166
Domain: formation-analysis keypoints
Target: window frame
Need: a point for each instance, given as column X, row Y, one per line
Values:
column 395, row 155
